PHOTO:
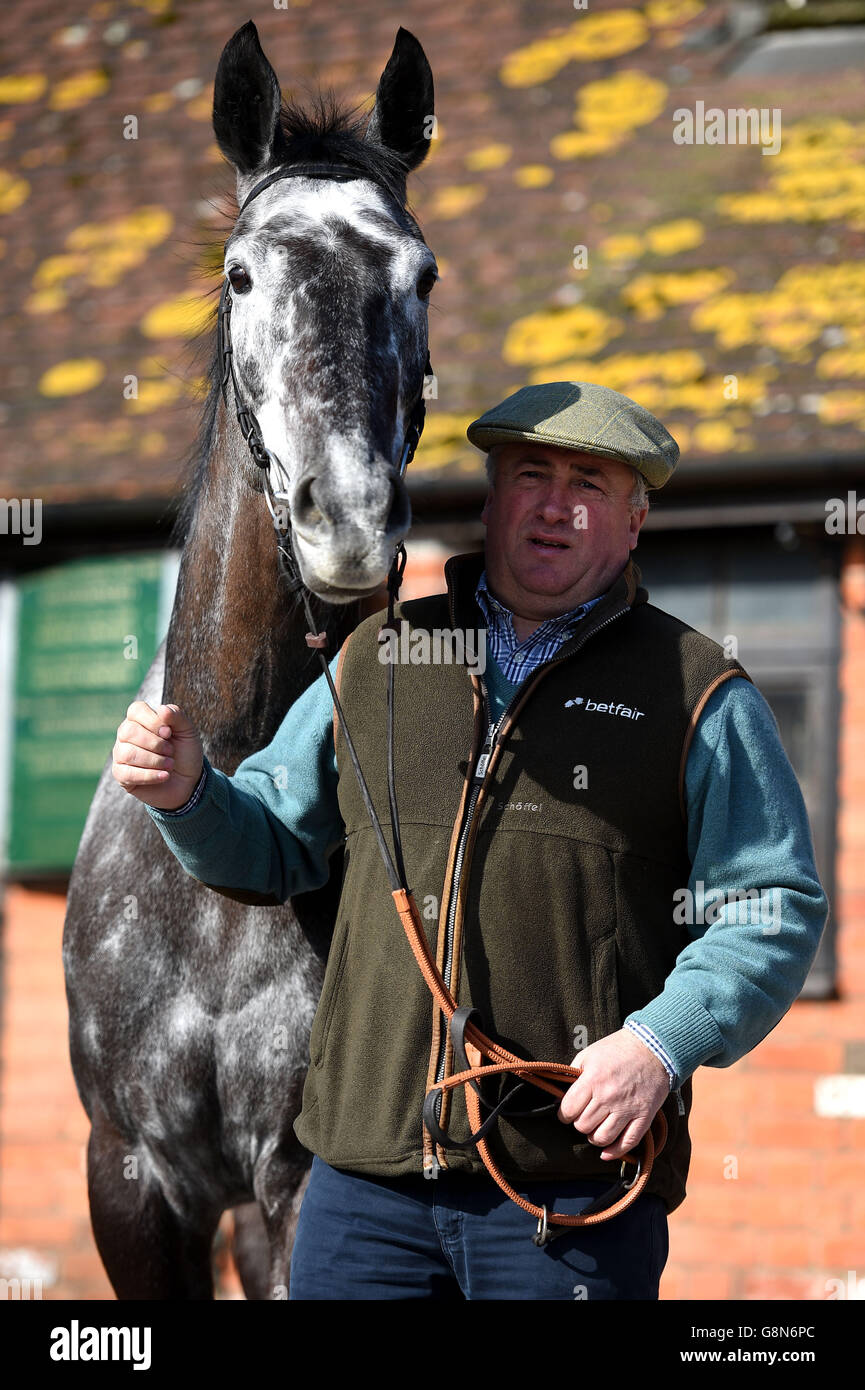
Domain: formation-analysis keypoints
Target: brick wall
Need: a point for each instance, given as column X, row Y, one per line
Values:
column 795, row 1214
column 792, row 1218
column 44, row 1221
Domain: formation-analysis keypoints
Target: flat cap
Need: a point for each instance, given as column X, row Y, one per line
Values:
column 585, row 416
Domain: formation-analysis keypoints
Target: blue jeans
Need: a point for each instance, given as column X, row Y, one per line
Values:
column 459, row 1237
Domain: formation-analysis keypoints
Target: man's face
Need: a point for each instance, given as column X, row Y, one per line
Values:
column 579, row 500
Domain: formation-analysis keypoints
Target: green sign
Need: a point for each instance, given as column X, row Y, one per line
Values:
column 86, row 635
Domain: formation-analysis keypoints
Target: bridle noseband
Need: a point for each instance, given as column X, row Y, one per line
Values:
column 471, row 1045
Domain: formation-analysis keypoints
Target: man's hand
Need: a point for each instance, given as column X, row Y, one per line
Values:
column 158, row 755
column 622, row 1088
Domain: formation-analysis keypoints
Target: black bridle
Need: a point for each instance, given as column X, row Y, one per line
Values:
column 286, row 559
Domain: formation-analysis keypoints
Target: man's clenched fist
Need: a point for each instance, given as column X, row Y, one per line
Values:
column 622, row 1088
column 158, row 755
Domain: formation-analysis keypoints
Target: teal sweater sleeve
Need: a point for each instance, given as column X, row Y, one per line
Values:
column 272, row 826
column 747, row 830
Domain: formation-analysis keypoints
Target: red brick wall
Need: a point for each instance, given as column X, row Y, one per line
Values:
column 43, row 1187
column 44, row 1217
column 792, row 1218
column 795, row 1215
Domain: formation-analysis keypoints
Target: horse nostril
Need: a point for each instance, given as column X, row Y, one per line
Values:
column 306, row 510
column 399, row 515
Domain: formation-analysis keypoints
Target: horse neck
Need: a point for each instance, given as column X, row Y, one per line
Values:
column 236, row 656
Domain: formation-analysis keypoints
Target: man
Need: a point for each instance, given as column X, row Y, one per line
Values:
column 634, row 774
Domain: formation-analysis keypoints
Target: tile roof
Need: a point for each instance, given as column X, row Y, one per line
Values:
column 722, row 287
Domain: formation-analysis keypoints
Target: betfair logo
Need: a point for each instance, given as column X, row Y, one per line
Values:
column 596, row 707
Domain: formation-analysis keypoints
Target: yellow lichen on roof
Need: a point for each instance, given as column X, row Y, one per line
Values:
column 805, row 300
column 185, row 316
column 841, row 362
column 154, row 394
column 719, row 437
column 148, row 225
column 121, row 243
column 535, row 62
column 200, row 108
column 550, row 336
column 625, row 246
column 842, row 408
column 72, row 377
column 443, row 438
column 622, row 369
column 157, row 102
column 533, row 175
column 622, row 102
column 454, row 200
column 606, row 35
column 13, row 191
column 57, row 268
column 608, row 110
column 669, row 238
column 582, row 144
column 649, row 294
column 662, row 239
column 45, row 302
column 18, row 87
column 816, row 176
column 588, row 39
column 663, row 12
column 667, row 381
column 78, row 89
column 491, row 156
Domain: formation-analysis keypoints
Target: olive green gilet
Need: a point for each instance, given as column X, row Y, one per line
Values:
column 564, row 915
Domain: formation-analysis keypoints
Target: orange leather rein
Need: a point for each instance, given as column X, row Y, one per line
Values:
column 478, row 1047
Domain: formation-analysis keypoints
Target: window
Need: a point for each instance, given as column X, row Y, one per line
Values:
column 781, row 606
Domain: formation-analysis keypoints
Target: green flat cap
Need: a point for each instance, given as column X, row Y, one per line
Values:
column 581, row 415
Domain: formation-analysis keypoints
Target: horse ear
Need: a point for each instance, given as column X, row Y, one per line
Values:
column 402, row 118
column 246, row 105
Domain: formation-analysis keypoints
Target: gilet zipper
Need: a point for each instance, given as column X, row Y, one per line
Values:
column 478, row 778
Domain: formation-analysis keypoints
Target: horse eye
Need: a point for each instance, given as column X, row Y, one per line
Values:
column 425, row 283
column 239, row 279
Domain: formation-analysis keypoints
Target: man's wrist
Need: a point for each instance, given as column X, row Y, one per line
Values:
column 654, row 1044
column 194, row 798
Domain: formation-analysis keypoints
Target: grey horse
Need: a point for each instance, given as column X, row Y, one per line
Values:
column 190, row 1009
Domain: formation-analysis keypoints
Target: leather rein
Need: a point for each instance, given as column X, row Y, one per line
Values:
column 479, row 1056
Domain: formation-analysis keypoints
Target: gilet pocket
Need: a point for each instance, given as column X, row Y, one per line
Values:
column 605, row 986
column 324, row 1012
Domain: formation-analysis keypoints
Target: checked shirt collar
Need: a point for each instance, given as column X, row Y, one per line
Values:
column 516, row 660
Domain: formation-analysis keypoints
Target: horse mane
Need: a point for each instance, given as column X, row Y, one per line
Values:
column 325, row 131
column 330, row 131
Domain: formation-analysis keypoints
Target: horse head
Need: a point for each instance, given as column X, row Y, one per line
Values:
column 330, row 280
